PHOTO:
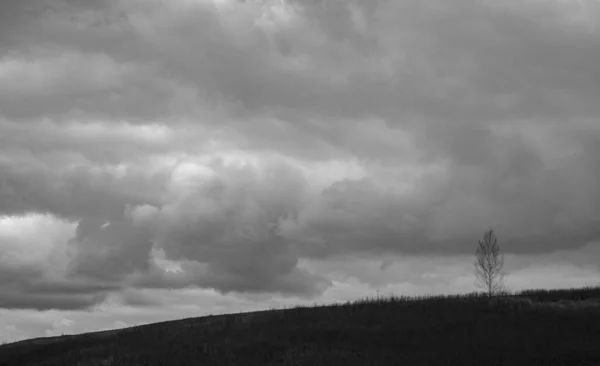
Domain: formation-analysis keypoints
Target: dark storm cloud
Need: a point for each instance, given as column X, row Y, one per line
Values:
column 16, row 16
column 226, row 226
column 10, row 300
column 454, row 116
column 28, row 288
column 30, row 184
column 137, row 298
column 108, row 250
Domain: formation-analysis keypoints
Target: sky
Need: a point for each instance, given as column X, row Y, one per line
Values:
column 168, row 159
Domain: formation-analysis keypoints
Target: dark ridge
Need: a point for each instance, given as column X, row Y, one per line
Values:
column 533, row 327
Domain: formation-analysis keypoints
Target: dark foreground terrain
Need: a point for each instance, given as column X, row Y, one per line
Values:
column 560, row 327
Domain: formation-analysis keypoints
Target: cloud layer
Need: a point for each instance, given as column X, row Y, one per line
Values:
column 240, row 146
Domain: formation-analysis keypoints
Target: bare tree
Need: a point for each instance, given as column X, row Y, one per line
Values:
column 488, row 264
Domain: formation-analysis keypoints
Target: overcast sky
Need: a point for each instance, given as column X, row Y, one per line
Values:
column 169, row 158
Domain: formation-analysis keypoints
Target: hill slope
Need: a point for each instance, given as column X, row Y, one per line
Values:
column 531, row 328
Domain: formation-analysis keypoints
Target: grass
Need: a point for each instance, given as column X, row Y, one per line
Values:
column 534, row 327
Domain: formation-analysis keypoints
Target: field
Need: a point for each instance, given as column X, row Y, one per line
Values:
column 536, row 327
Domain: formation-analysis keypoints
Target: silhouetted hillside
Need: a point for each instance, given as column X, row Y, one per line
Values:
column 537, row 327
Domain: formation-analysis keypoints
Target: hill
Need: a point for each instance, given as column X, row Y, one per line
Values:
column 536, row 327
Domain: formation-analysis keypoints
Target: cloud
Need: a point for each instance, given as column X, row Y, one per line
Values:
column 222, row 220
column 43, row 73
column 108, row 250
column 49, row 81
column 224, row 145
column 32, row 258
column 219, row 218
column 70, row 187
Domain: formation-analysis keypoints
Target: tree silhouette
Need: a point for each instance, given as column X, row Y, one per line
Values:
column 488, row 264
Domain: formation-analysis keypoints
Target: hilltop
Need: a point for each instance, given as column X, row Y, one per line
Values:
column 535, row 327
